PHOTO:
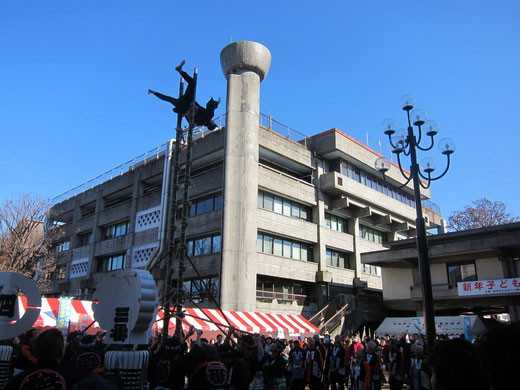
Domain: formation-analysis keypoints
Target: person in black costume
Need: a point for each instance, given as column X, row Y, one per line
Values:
column 203, row 116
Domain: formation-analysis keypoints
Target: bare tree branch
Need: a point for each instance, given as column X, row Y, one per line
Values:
column 23, row 247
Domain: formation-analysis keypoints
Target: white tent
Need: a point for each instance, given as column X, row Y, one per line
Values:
column 448, row 325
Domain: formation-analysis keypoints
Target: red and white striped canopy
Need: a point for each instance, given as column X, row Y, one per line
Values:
column 81, row 313
column 254, row 322
column 205, row 319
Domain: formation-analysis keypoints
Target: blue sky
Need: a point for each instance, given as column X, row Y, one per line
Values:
column 74, row 77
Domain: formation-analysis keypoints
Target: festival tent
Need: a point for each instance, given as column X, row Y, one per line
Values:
column 212, row 320
column 278, row 325
column 448, row 325
column 80, row 316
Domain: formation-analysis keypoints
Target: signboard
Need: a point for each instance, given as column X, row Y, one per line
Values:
column 489, row 287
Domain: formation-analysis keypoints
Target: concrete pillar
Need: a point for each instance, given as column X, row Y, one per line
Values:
column 245, row 64
column 353, row 228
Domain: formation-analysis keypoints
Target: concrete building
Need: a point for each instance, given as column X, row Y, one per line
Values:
column 276, row 224
column 473, row 272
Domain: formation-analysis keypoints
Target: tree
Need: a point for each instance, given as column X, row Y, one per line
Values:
column 483, row 213
column 23, row 246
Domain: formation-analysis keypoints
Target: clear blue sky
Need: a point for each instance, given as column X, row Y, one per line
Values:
column 74, row 76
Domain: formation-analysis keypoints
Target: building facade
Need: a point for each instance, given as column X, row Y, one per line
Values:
column 275, row 224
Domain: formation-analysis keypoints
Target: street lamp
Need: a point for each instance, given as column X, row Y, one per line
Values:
column 406, row 142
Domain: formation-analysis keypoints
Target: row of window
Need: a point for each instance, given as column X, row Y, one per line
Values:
column 205, row 205
column 375, row 183
column 283, row 247
column 204, row 246
column 335, row 223
column 283, row 206
column 337, row 259
column 371, row 234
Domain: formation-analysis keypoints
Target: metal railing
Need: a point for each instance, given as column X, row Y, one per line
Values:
column 281, row 296
column 154, row 154
column 287, row 131
column 432, row 206
column 142, row 159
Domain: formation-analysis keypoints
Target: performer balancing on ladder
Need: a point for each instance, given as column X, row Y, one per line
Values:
column 203, row 116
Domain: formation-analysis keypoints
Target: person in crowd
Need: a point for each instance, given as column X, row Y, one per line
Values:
column 499, row 356
column 337, row 362
column 356, row 364
column 419, row 372
column 313, row 365
column 25, row 357
column 48, row 373
column 371, row 367
column 455, row 365
column 274, row 367
column 296, row 366
column 395, row 365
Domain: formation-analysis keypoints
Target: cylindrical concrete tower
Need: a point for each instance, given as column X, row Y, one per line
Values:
column 245, row 64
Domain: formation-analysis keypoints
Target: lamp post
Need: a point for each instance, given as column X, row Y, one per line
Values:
column 406, row 142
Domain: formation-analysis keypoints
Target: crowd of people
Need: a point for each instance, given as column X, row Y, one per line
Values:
column 250, row 361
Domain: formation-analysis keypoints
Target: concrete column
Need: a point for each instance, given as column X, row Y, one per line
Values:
column 96, row 234
column 137, row 192
column 245, row 64
column 353, row 228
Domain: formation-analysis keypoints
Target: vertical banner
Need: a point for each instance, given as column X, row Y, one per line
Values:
column 467, row 329
column 64, row 315
column 417, row 324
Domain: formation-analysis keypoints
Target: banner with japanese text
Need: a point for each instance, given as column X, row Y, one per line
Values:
column 489, row 287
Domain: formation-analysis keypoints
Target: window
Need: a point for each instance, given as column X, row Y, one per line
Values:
column 64, row 246
column 205, row 205
column 283, row 247
column 278, row 205
column 335, row 223
column 371, row 234
column 116, row 230
column 198, row 289
column 111, row 263
column 283, row 206
column 371, row 269
column 84, row 239
column 461, row 272
column 61, row 271
column 203, row 246
column 337, row 259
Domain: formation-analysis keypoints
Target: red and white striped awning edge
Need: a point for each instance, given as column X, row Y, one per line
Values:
column 255, row 322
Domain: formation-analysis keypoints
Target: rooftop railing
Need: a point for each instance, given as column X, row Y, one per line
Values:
column 272, row 124
column 154, row 154
column 142, row 159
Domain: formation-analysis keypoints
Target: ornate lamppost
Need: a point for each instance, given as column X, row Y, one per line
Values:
column 406, row 142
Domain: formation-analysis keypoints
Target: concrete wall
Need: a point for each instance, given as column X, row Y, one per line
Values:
column 396, row 283
column 279, row 182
